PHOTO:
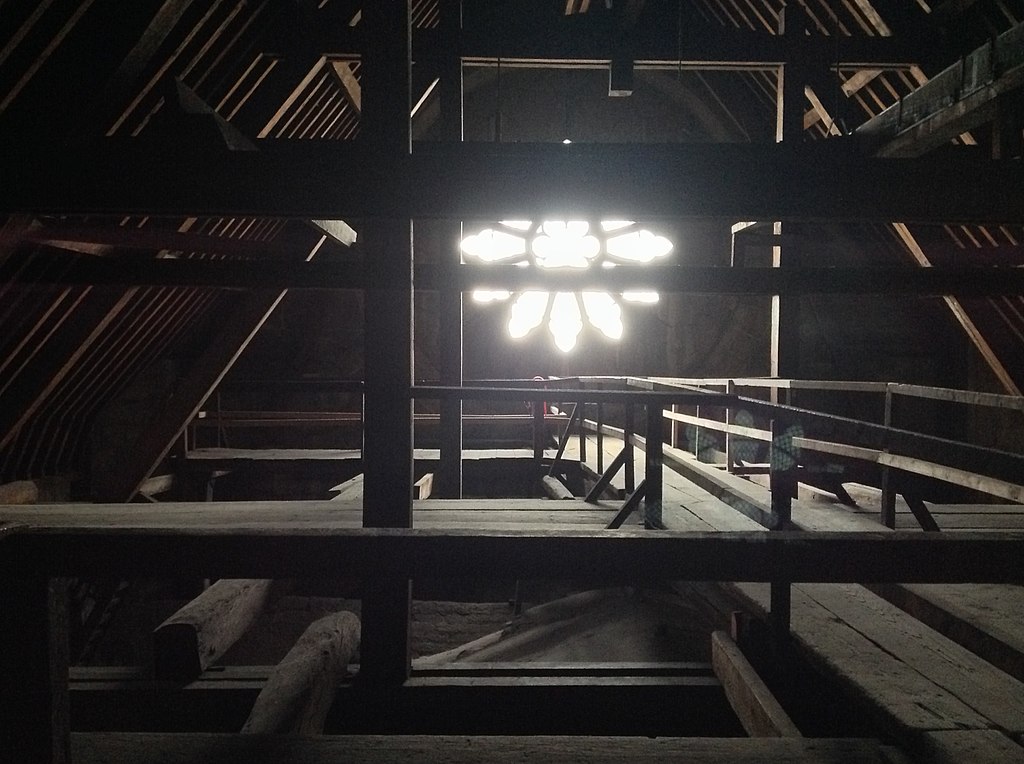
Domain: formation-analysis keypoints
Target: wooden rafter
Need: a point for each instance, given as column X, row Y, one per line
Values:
column 349, row 84
column 956, row 307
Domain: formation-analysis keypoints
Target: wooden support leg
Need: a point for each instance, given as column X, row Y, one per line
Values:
column 538, row 430
column 921, row 513
column 34, row 708
column 654, row 467
column 783, row 481
column 629, row 507
column 888, row 507
column 628, row 438
column 384, row 654
column 779, row 618
column 606, row 477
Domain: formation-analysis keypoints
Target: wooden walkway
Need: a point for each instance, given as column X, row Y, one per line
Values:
column 927, row 691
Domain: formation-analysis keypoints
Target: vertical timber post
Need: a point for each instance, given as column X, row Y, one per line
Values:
column 387, row 432
column 888, row 508
column 785, row 311
column 783, row 481
column 34, row 704
column 653, row 466
column 450, row 472
column 730, row 420
column 627, row 436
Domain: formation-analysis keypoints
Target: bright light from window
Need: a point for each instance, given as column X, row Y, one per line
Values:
column 565, row 244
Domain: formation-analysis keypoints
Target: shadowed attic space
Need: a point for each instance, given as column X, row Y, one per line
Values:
column 536, row 379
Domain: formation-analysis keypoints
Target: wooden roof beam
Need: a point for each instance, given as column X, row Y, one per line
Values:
column 958, row 99
column 102, row 548
column 249, row 275
column 480, row 181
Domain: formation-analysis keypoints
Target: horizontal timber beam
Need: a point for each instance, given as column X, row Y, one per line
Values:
column 485, row 181
column 327, row 275
column 536, row 41
column 956, row 100
column 595, row 556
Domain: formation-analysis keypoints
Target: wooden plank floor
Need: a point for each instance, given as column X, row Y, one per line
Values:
column 489, row 514
column 921, row 685
column 142, row 748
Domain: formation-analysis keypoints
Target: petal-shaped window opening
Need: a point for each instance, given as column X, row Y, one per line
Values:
column 565, row 323
column 645, row 298
column 527, row 313
column 604, row 313
column 563, row 244
column 492, row 246
column 638, row 246
column 490, row 295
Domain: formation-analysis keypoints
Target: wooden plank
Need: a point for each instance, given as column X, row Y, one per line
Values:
column 969, row 397
column 253, row 551
column 901, row 701
column 981, row 617
column 991, row 693
column 199, row 633
column 727, row 488
column 92, row 748
column 422, row 488
column 299, row 692
column 954, row 747
column 757, row 709
column 989, row 485
column 714, row 424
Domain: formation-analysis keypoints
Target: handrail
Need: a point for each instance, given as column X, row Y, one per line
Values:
column 1001, row 488
column 970, row 397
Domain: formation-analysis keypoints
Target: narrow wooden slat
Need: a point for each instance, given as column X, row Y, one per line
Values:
column 757, row 709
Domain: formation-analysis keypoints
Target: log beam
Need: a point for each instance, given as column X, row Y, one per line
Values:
column 198, row 634
column 300, row 691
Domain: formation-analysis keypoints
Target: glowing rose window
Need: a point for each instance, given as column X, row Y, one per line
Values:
column 559, row 244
